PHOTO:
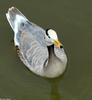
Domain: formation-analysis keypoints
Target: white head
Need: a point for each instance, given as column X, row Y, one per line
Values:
column 52, row 35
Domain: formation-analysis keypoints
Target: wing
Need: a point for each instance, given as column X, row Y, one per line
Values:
column 32, row 53
column 29, row 38
column 19, row 23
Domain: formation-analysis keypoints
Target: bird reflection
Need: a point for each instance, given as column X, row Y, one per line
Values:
column 55, row 92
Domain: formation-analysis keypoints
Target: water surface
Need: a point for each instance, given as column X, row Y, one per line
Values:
column 72, row 19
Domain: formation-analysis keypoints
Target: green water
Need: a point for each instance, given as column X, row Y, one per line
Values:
column 72, row 19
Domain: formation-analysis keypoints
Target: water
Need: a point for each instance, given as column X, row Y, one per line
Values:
column 72, row 19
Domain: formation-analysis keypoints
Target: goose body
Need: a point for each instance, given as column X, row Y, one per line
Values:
column 41, row 54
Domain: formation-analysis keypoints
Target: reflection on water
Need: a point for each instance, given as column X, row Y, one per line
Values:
column 55, row 93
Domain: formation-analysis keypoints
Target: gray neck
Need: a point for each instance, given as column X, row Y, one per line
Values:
column 51, row 51
column 54, row 66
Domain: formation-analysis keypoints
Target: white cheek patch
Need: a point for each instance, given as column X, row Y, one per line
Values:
column 52, row 34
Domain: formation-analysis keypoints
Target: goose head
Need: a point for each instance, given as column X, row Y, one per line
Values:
column 52, row 38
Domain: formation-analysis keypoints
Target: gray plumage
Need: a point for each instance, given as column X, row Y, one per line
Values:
column 36, row 50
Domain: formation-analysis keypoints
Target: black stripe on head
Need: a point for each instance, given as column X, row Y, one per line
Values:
column 47, row 32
